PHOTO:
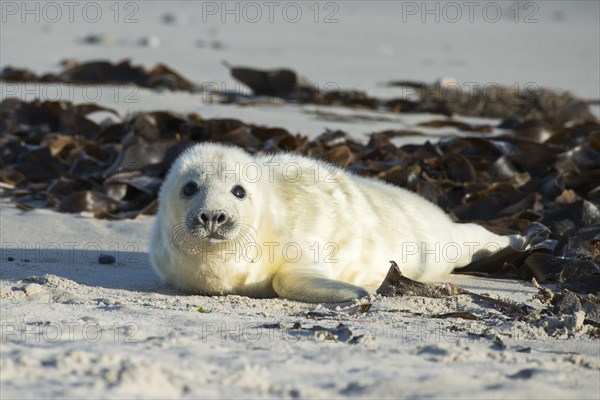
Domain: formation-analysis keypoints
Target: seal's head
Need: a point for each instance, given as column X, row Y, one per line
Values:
column 207, row 198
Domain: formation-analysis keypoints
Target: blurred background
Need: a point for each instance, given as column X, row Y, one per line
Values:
column 346, row 44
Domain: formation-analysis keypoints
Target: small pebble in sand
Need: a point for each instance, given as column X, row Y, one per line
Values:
column 100, row 39
column 149, row 41
column 175, row 19
column 106, row 259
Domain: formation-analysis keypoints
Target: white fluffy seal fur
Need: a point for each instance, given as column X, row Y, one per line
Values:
column 287, row 225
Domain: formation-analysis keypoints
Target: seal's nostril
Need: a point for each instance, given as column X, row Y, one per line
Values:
column 212, row 219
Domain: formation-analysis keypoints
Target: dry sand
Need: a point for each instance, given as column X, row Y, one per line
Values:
column 72, row 327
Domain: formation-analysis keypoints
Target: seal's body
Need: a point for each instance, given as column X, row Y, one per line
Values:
column 287, row 225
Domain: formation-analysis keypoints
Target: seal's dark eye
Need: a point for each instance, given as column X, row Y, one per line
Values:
column 238, row 191
column 190, row 189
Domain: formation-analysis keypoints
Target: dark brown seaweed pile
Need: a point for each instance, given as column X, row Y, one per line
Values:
column 491, row 101
column 564, row 309
column 497, row 101
column 535, row 179
column 105, row 72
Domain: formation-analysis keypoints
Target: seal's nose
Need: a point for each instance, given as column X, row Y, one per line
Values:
column 213, row 219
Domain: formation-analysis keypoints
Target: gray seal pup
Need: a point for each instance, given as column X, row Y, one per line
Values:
column 295, row 227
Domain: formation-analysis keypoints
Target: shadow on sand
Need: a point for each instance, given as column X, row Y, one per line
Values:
column 129, row 270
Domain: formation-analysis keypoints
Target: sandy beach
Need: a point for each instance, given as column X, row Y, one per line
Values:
column 79, row 328
column 72, row 327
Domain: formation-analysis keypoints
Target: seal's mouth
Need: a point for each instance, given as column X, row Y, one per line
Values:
column 194, row 240
column 215, row 237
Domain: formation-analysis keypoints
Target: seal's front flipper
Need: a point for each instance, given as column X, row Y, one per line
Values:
column 311, row 288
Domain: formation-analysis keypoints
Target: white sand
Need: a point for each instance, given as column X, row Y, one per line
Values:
column 74, row 328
